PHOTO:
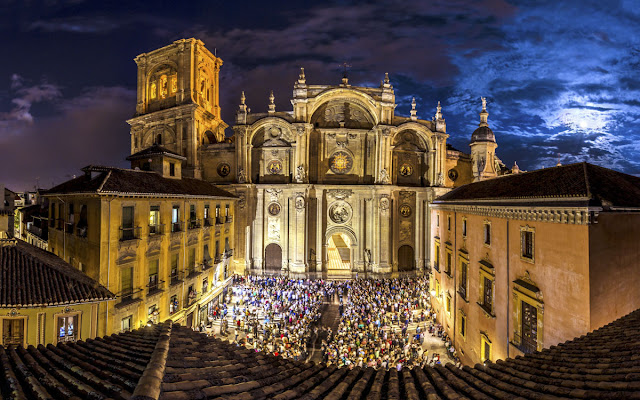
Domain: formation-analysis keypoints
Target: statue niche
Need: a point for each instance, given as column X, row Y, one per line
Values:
column 410, row 160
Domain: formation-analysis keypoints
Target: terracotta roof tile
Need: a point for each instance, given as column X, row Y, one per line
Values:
column 31, row 277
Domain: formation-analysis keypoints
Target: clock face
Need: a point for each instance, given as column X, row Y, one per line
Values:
column 274, row 209
column 406, row 170
column 224, row 169
column 405, row 210
column 274, row 167
column 341, row 162
column 453, row 174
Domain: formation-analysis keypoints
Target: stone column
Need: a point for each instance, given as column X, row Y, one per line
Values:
column 384, row 204
column 297, row 232
column 320, row 230
column 258, row 232
column 419, row 224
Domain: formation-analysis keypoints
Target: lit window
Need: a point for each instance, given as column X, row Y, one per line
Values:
column 67, row 331
column 126, row 323
column 153, row 91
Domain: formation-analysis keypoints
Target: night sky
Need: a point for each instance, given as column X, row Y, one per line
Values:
column 562, row 78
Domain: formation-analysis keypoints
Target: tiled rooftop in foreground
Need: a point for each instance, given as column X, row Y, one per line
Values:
column 173, row 362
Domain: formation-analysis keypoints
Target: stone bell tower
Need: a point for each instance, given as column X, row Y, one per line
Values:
column 178, row 104
column 483, row 148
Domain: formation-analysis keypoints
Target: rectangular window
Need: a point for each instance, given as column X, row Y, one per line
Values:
column 174, row 268
column 205, row 285
column 60, row 215
column 529, row 341
column 448, row 222
column 463, row 325
column 448, row 304
column 464, row 227
column 206, row 215
column 218, row 217
column 192, row 261
column 52, row 215
column 67, row 328
column 126, row 281
column 175, row 219
column 173, row 304
column 487, row 233
column 527, row 244
column 437, row 258
column 217, row 253
column 448, row 266
column 226, row 210
column 154, row 220
column 71, row 217
column 463, row 279
column 153, row 275
column 126, row 323
column 487, row 294
column 193, row 220
column 172, row 169
column 126, row 230
column 13, row 331
column 438, row 220
column 486, row 351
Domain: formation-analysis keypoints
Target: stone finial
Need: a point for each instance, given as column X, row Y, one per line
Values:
column 242, row 98
column 301, row 77
column 241, row 114
column 484, row 114
column 515, row 169
column 414, row 113
column 386, row 78
column 438, row 115
column 272, row 104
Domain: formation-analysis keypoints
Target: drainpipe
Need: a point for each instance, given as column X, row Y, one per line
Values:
column 108, row 263
column 455, row 276
column 64, row 233
column 508, row 294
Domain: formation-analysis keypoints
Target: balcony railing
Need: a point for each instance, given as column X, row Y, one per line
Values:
column 68, row 227
column 228, row 253
column 207, row 221
column 176, row 227
column 175, row 278
column 157, row 229
column 524, row 346
column 129, row 233
column 193, row 271
column 219, row 220
column 229, row 218
column 154, row 286
column 128, row 296
column 462, row 291
column 81, row 230
column 194, row 224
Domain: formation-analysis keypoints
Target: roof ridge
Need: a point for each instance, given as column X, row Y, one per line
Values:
column 150, row 383
column 106, row 178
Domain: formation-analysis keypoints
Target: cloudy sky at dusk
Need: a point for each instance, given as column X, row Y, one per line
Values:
column 561, row 77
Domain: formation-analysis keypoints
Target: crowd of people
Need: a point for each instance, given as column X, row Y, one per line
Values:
column 275, row 314
column 383, row 322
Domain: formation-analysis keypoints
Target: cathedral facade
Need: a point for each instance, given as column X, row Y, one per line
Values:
column 339, row 184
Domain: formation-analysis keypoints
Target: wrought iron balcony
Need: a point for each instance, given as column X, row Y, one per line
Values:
column 194, row 224
column 176, row 227
column 129, row 233
column 157, row 229
column 524, row 346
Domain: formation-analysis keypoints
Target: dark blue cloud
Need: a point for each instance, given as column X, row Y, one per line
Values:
column 560, row 76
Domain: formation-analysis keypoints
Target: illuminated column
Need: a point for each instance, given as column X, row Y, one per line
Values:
column 384, row 233
column 320, row 232
column 258, row 232
column 297, row 233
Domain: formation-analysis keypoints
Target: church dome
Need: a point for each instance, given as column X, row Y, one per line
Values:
column 483, row 134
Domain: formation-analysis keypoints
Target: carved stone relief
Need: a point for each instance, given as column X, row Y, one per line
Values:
column 340, row 212
column 273, row 229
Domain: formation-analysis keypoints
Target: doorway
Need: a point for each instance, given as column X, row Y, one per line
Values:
column 405, row 258
column 339, row 253
column 273, row 258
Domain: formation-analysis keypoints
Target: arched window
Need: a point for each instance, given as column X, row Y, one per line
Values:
column 164, row 87
column 159, row 139
column 153, row 91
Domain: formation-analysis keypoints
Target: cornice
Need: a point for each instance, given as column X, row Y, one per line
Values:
column 553, row 214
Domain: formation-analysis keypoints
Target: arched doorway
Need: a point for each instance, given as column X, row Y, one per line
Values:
column 273, row 258
column 405, row 258
column 339, row 253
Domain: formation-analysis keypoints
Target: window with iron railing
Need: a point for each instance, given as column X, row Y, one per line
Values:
column 153, row 276
column 194, row 224
column 176, row 225
column 129, row 233
column 462, row 287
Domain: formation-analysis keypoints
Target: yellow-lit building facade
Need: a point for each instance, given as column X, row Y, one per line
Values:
column 522, row 263
column 163, row 244
column 45, row 300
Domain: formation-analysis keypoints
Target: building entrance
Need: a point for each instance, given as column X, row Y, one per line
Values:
column 273, row 258
column 339, row 254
